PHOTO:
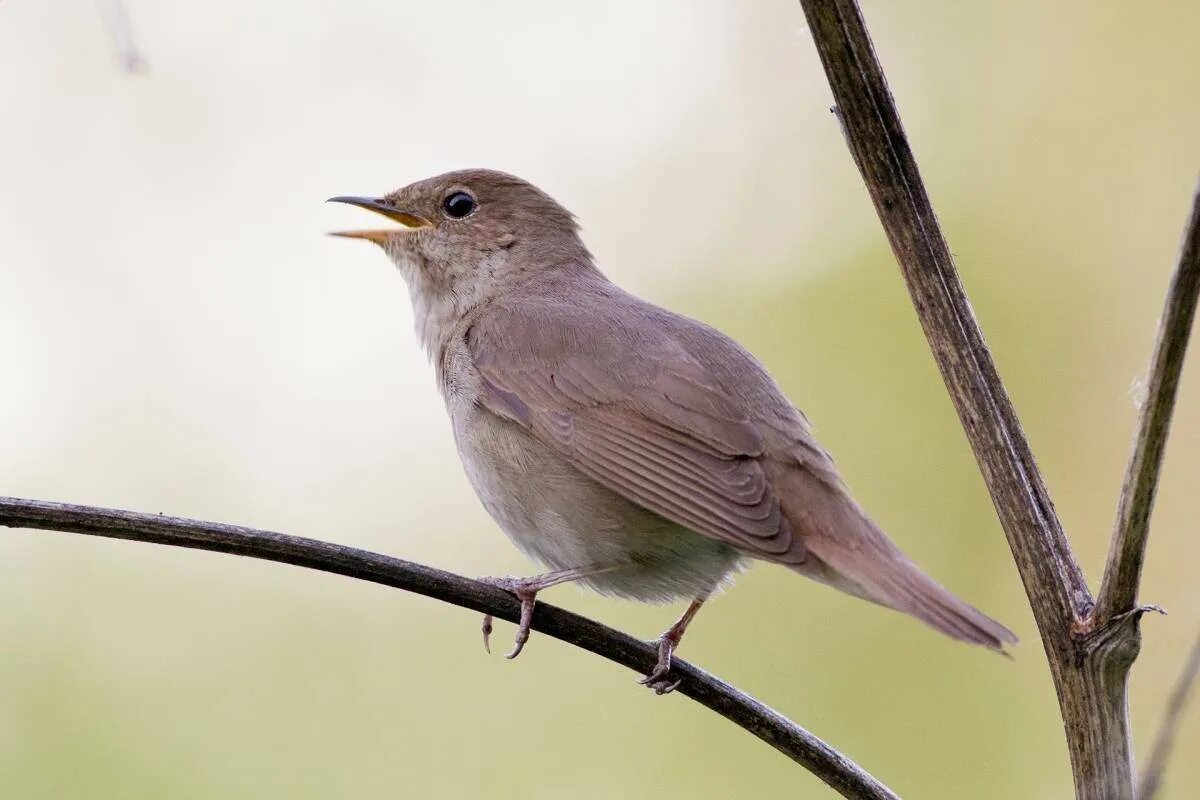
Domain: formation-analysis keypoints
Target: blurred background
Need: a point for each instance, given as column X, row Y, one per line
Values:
column 178, row 336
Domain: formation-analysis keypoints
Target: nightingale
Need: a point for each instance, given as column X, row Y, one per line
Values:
column 619, row 445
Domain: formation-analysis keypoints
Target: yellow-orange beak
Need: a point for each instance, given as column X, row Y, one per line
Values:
column 379, row 237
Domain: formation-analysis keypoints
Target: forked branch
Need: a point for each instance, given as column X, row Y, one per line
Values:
column 1089, row 653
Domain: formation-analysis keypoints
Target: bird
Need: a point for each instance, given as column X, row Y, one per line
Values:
column 619, row 445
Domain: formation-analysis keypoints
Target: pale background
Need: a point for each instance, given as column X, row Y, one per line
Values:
column 177, row 335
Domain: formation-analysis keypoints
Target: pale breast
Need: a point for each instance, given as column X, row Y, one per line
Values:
column 541, row 501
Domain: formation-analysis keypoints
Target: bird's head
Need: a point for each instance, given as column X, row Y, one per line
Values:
column 471, row 234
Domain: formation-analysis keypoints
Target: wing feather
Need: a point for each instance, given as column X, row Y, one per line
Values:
column 658, row 431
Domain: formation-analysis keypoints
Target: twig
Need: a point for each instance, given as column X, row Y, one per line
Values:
column 842, row 774
column 120, row 28
column 1164, row 740
column 1119, row 590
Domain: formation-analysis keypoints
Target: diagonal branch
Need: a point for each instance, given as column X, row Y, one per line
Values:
column 1056, row 587
column 1123, row 574
column 839, row 772
column 1164, row 740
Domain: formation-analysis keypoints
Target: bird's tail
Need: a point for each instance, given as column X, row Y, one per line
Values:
column 849, row 552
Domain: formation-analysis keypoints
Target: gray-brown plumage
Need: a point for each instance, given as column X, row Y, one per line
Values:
column 629, row 448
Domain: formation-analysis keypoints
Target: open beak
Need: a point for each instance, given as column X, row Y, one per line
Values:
column 379, row 237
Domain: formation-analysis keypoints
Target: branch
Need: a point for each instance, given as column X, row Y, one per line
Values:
column 1156, row 765
column 828, row 764
column 120, row 28
column 1055, row 586
column 1123, row 574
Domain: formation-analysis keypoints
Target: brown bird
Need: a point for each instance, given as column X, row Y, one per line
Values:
column 620, row 445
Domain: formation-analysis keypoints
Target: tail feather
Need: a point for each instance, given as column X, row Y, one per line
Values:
column 849, row 551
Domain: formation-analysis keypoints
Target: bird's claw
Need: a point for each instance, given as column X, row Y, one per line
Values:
column 663, row 686
column 657, row 679
column 527, row 594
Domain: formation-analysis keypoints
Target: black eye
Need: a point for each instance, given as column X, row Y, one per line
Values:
column 458, row 204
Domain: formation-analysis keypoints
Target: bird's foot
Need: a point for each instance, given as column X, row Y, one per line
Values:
column 657, row 679
column 672, row 636
column 525, row 590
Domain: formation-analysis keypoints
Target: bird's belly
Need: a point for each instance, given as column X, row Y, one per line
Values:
column 562, row 519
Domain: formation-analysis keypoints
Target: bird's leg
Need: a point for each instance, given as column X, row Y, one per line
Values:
column 667, row 643
column 526, row 590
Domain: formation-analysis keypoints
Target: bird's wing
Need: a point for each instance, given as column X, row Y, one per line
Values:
column 639, row 415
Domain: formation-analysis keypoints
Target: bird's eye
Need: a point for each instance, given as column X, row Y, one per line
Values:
column 458, row 204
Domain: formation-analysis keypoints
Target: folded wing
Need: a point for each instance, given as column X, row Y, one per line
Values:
column 648, row 423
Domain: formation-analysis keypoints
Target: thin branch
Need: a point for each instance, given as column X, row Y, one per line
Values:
column 1123, row 574
column 828, row 764
column 120, row 28
column 1056, row 587
column 1164, row 740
